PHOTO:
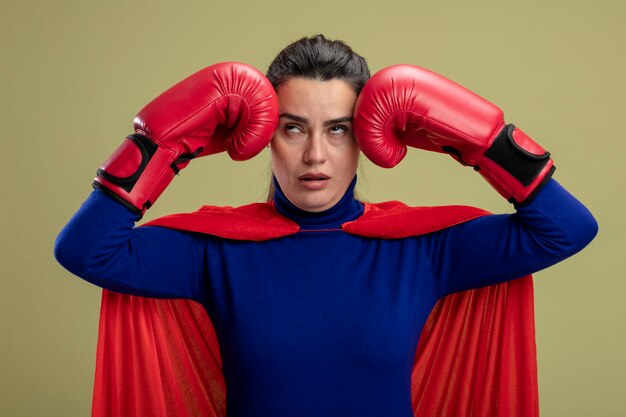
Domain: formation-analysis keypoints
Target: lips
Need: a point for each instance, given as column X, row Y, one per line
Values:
column 314, row 176
column 314, row 181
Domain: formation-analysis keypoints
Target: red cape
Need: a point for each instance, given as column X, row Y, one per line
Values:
column 476, row 355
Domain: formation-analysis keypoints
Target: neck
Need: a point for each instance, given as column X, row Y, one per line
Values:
column 346, row 209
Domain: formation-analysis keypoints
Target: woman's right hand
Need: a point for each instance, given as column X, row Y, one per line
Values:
column 225, row 107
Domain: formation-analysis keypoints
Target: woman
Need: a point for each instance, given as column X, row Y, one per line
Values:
column 317, row 307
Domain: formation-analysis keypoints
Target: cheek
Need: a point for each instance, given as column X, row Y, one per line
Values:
column 350, row 160
column 279, row 158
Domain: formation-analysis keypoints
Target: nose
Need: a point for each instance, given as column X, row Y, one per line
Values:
column 315, row 152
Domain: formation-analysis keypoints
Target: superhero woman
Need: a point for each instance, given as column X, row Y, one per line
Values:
column 316, row 303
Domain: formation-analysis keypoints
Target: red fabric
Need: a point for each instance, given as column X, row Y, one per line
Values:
column 156, row 358
column 476, row 355
column 394, row 219
column 261, row 221
column 257, row 221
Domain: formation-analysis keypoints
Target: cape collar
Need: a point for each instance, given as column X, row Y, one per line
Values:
column 265, row 221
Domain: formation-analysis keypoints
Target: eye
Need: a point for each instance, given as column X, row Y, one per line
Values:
column 339, row 129
column 292, row 128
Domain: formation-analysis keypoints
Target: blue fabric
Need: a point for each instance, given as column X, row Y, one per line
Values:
column 320, row 323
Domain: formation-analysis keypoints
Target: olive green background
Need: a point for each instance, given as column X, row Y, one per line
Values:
column 74, row 73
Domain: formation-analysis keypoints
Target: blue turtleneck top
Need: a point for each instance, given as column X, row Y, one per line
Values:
column 319, row 323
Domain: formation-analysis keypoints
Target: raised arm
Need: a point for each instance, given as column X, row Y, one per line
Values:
column 227, row 106
column 101, row 245
column 497, row 248
column 405, row 105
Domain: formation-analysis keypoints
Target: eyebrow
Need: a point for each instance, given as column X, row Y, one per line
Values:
column 301, row 119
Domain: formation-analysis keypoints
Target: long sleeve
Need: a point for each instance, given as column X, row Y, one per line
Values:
column 496, row 248
column 101, row 245
column 321, row 313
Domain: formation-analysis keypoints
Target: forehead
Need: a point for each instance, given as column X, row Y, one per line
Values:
column 316, row 99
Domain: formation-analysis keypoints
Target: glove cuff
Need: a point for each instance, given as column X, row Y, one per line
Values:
column 515, row 165
column 138, row 171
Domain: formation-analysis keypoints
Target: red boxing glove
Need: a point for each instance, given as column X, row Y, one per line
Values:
column 225, row 107
column 407, row 105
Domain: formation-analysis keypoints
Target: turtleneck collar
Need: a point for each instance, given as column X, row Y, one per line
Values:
column 346, row 209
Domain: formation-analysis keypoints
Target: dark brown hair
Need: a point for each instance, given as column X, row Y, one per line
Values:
column 319, row 58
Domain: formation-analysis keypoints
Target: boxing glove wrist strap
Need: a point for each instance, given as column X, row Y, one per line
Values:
column 138, row 171
column 515, row 165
